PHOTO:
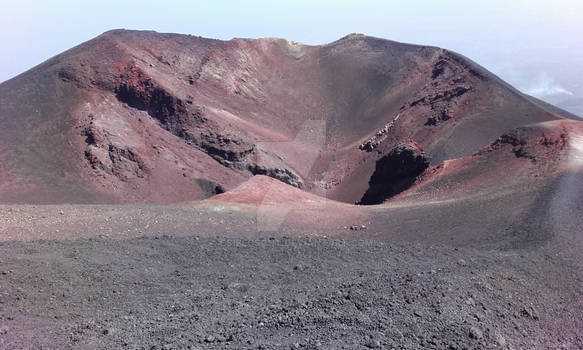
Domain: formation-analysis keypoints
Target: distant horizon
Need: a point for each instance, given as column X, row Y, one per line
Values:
column 534, row 47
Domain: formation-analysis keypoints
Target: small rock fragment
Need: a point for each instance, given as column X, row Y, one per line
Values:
column 475, row 333
column 209, row 339
column 500, row 339
column 373, row 344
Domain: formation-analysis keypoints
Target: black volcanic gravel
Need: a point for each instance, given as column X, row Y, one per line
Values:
column 281, row 293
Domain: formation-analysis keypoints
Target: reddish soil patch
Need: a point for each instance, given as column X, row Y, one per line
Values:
column 276, row 204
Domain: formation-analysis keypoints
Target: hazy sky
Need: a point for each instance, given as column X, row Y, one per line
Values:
column 535, row 45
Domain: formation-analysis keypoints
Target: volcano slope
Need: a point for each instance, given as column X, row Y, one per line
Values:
column 133, row 117
column 163, row 191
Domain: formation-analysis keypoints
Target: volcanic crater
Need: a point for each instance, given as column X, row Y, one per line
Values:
column 316, row 117
column 263, row 193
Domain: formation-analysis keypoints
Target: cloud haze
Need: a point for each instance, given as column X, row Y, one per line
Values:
column 543, row 86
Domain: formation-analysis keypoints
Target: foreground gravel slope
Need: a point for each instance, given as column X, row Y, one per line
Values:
column 280, row 293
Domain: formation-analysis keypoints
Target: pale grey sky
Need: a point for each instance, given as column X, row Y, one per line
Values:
column 534, row 45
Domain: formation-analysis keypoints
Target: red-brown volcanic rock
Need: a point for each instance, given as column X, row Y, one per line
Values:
column 146, row 117
column 520, row 158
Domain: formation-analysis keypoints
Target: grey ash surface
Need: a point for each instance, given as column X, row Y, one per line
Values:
column 282, row 293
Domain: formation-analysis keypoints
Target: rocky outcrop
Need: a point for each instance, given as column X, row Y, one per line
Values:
column 282, row 174
column 188, row 121
column 229, row 150
column 379, row 137
column 182, row 118
column 395, row 172
column 106, row 157
column 443, row 96
column 523, row 145
column 138, row 90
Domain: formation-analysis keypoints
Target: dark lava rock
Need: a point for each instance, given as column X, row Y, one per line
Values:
column 282, row 174
column 395, row 172
column 210, row 188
